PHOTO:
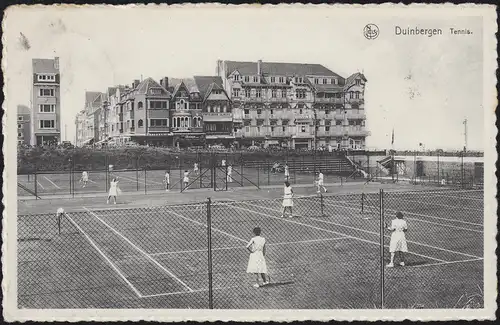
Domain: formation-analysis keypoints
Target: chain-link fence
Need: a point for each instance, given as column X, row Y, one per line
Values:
column 420, row 249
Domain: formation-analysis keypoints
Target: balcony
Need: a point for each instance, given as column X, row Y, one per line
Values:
column 278, row 99
column 253, row 99
column 330, row 100
column 217, row 117
column 304, row 117
column 357, row 100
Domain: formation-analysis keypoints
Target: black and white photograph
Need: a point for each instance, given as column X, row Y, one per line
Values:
column 250, row 163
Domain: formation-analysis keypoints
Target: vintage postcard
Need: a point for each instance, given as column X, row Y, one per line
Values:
column 249, row 163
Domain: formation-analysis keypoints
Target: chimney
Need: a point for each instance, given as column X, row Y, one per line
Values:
column 56, row 63
column 164, row 82
column 135, row 83
column 259, row 67
column 219, row 68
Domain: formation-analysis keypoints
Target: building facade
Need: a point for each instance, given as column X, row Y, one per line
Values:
column 46, row 102
column 294, row 105
column 23, row 125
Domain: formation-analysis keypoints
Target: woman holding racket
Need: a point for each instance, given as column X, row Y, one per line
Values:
column 113, row 190
column 287, row 199
column 398, row 243
column 257, row 261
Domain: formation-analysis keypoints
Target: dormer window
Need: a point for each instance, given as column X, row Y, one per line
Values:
column 155, row 91
column 236, row 77
column 255, row 79
column 273, row 79
column 358, row 82
column 247, row 78
column 46, row 77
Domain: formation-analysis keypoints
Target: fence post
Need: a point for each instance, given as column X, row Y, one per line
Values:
column 322, row 205
column 36, row 185
column 268, row 172
column 145, row 183
column 382, row 266
column 462, row 171
column 362, row 202
column 73, row 175
column 438, row 167
column 181, row 180
column 241, row 168
column 200, row 168
column 209, row 249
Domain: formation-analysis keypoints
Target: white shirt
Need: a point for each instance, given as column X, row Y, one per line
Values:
column 398, row 225
column 288, row 192
column 167, row 177
column 320, row 177
column 223, row 162
column 84, row 174
column 195, row 166
column 257, row 243
column 229, row 170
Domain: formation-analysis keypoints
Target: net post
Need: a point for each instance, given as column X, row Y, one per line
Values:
column 209, row 250
column 258, row 175
column 382, row 267
column 137, row 173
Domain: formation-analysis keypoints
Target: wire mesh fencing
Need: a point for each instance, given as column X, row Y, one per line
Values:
column 418, row 249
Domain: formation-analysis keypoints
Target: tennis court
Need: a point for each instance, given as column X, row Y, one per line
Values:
column 328, row 256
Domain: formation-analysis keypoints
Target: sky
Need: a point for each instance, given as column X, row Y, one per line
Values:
column 422, row 87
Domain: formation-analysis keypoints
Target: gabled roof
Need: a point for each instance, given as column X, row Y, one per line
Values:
column 205, row 82
column 92, row 98
column 357, row 75
column 112, row 91
column 143, row 87
column 44, row 66
column 178, row 87
column 23, row 110
column 279, row 69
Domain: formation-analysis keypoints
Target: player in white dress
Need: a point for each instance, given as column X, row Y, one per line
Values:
column 257, row 261
column 287, row 200
column 166, row 181
column 229, row 178
column 287, row 172
column 113, row 190
column 398, row 239
column 223, row 163
column 195, row 168
column 84, row 179
column 185, row 179
column 319, row 182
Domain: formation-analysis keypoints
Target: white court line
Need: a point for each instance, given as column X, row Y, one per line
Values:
column 460, row 198
column 140, row 179
column 185, row 292
column 40, row 185
column 452, row 262
column 105, row 257
column 51, row 182
column 422, row 215
column 239, row 247
column 330, row 231
column 376, row 233
column 443, row 205
column 140, row 250
column 206, row 226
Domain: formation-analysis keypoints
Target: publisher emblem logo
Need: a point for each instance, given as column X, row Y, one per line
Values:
column 371, row 31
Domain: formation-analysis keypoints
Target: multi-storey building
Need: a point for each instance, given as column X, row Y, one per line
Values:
column 80, row 128
column 294, row 105
column 23, row 125
column 88, row 121
column 216, row 118
column 46, row 102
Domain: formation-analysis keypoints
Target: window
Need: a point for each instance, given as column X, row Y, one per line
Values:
column 271, row 111
column 19, row 118
column 247, row 93
column 19, row 126
column 156, row 122
column 46, row 108
column 46, row 77
column 46, row 92
column 236, row 92
column 247, row 123
column 325, row 81
column 247, row 78
column 259, row 111
column 358, row 82
column 273, row 79
column 181, row 105
column 236, row 77
column 272, row 128
column 316, row 81
column 303, row 128
column 258, row 129
column 155, row 91
column 247, row 129
column 246, row 111
column 335, row 81
column 157, row 104
column 283, row 93
column 281, row 80
column 258, row 93
column 284, row 122
column 260, row 122
column 300, row 111
column 272, row 123
column 283, row 128
column 47, row 124
column 300, row 93
column 139, row 105
column 273, row 93
column 327, row 128
column 327, row 111
column 356, row 95
column 19, row 135
column 140, row 123
column 255, row 79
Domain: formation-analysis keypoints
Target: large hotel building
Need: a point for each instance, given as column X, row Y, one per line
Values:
column 246, row 103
